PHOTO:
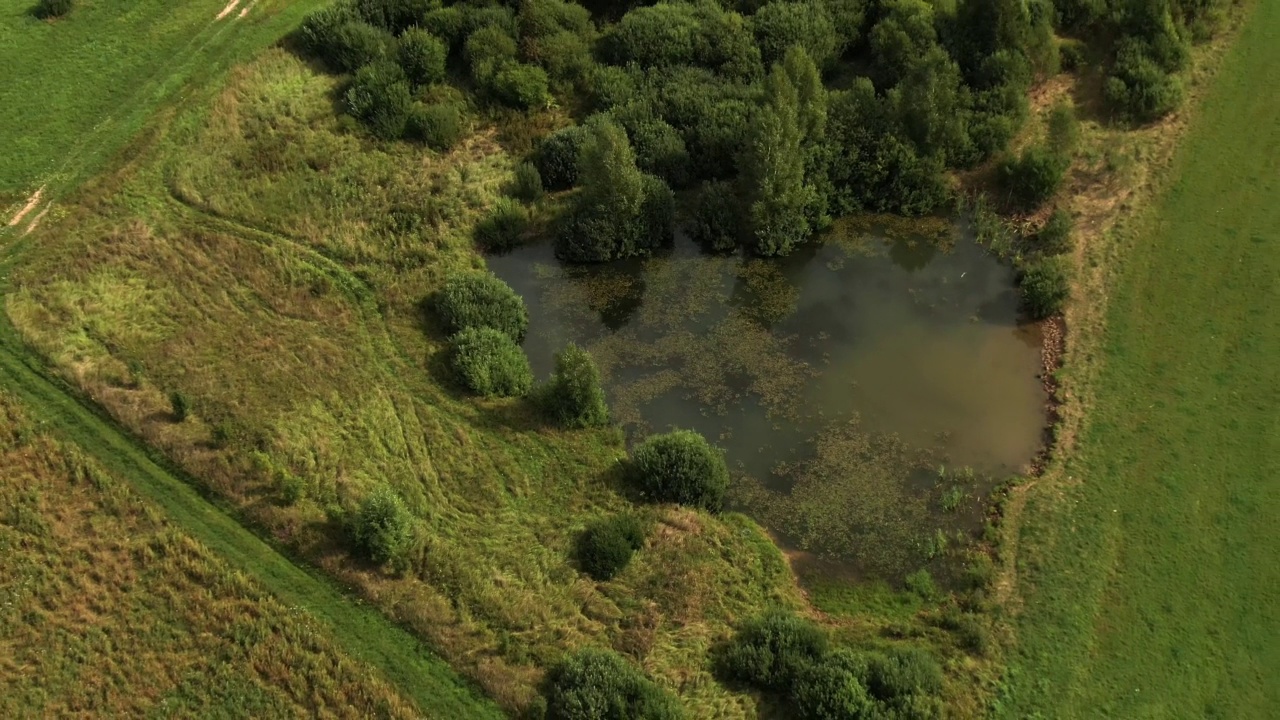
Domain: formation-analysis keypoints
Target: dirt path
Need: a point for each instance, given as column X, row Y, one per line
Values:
column 227, row 10
column 32, row 202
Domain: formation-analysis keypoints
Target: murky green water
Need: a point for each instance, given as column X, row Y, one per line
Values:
column 837, row 380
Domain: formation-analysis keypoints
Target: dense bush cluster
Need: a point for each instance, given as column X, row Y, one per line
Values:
column 600, row 685
column 789, row 657
column 478, row 300
column 46, row 9
column 382, row 527
column 574, row 396
column 605, row 547
column 680, row 467
column 1046, row 286
column 490, row 363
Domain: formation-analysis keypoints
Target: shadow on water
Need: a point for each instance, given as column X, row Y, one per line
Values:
column 838, row 380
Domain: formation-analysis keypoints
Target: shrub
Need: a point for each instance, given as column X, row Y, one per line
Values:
column 383, row 526
column 526, row 184
column 181, row 406
column 481, row 299
column 1071, row 55
column 439, row 125
column 521, row 86
column 574, row 397
column 596, row 684
column 920, row 583
column 680, row 467
column 716, row 217
column 557, row 157
column 422, row 56
column 1034, row 176
column 901, row 673
column 503, row 228
column 831, row 690
column 605, row 547
column 487, row 50
column 379, row 97
column 1055, row 237
column 356, row 44
column 608, row 86
column 1045, row 287
column 490, row 363
column 1139, row 89
column 393, row 15
column 769, row 652
column 47, row 9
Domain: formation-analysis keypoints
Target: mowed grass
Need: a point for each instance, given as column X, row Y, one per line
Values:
column 1149, row 568
column 76, row 89
column 108, row 609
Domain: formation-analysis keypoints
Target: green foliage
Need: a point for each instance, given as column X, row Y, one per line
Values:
column 1034, row 176
column 900, row 675
column 504, row 227
column 422, row 56
column 521, row 86
column 394, row 16
column 383, row 528
column 490, row 363
column 48, row 9
column 355, row 44
column 773, row 173
column 1071, row 56
column 1055, row 237
column 487, row 50
column 606, row 546
column 1045, row 286
column 574, row 396
column 832, row 689
column 660, row 151
column 780, row 25
column 596, row 684
column 526, row 183
column 557, row 157
column 1138, row 88
column 481, row 299
column 180, row 406
column 680, row 467
column 620, row 212
column 670, row 35
column 768, row 652
column 380, row 98
column 439, row 125
column 920, row 583
column 716, row 219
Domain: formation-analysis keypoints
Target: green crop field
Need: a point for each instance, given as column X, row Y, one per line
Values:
column 1151, row 584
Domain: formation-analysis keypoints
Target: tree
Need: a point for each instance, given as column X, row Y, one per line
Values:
column 680, row 467
column 490, row 363
column 773, row 172
column 481, row 299
column 394, row 16
column 596, row 684
column 383, row 526
column 422, row 56
column 715, row 217
column 780, row 25
column 1034, row 176
column 557, row 157
column 574, row 397
column 521, row 86
column 379, row 97
column 605, row 547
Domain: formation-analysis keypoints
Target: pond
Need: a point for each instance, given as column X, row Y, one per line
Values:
column 866, row 390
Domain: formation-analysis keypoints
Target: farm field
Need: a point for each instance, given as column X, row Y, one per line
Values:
column 109, row 609
column 1147, row 560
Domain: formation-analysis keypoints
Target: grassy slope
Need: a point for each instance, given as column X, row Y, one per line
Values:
column 107, row 609
column 78, row 88
column 1150, row 582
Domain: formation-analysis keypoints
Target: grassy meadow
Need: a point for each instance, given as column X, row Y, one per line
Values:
column 111, row 610
column 258, row 256
column 1148, row 586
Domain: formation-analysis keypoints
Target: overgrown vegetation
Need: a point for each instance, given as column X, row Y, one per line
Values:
column 606, row 546
column 490, row 363
column 481, row 300
column 680, row 467
column 600, row 685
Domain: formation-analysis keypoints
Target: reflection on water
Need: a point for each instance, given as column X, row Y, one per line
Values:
column 831, row 378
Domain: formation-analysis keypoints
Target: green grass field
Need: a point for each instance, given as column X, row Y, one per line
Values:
column 78, row 88
column 1148, row 563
